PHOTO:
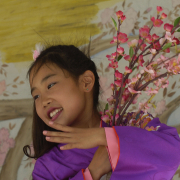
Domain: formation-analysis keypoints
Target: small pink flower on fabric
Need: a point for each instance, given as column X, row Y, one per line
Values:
column 39, row 48
column 123, row 17
column 155, row 37
column 105, row 118
column 169, row 36
column 153, row 51
column 2, row 86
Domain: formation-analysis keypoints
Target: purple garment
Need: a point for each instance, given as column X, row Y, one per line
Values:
column 144, row 155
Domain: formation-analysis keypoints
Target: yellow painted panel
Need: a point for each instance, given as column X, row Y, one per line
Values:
column 22, row 22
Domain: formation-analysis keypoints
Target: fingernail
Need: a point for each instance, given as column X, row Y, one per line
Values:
column 44, row 132
column 50, row 122
column 62, row 147
column 47, row 138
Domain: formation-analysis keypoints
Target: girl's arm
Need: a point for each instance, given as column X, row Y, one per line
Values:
column 143, row 154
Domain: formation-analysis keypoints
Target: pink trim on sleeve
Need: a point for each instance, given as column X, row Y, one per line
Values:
column 113, row 147
column 87, row 174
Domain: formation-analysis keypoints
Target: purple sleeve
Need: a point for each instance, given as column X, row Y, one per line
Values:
column 150, row 155
column 42, row 173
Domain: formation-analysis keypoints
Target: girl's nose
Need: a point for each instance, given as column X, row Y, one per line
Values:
column 46, row 101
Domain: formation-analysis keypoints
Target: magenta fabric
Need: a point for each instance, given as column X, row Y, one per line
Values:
column 113, row 146
column 146, row 155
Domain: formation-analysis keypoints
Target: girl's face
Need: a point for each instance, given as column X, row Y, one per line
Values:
column 57, row 98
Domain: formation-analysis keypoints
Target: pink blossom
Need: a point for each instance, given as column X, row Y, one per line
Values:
column 159, row 9
column 140, row 61
column 155, row 37
column 161, row 41
column 163, row 16
column 150, row 71
column 175, row 40
column 127, row 57
column 2, row 86
column 112, row 86
column 119, row 14
column 118, row 75
column 168, row 27
column 133, row 43
column 153, row 51
column 169, row 36
column 152, row 91
column 117, row 83
column 127, row 70
column 120, row 50
column 156, row 22
column 132, row 91
column 123, row 17
column 149, row 39
column 122, row 38
column 113, row 64
column 142, row 46
column 156, row 46
column 143, row 32
column 111, row 100
column 112, row 56
column 105, row 118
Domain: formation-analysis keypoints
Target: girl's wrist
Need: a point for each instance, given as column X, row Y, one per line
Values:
column 102, row 135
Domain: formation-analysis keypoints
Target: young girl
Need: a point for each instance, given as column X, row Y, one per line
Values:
column 72, row 142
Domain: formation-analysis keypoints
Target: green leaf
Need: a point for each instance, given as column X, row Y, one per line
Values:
column 131, row 52
column 134, row 68
column 119, row 57
column 115, row 24
column 176, row 22
column 178, row 30
column 107, row 107
column 166, row 46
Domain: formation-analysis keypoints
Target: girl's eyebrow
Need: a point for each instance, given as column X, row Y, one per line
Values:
column 43, row 80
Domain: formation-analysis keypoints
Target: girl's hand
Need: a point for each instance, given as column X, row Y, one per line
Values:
column 81, row 138
column 100, row 164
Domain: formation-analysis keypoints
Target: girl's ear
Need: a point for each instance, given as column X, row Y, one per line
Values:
column 87, row 80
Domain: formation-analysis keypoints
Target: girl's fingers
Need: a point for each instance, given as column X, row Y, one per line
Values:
column 59, row 139
column 54, row 133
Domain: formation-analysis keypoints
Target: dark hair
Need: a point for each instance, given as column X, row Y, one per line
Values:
column 73, row 60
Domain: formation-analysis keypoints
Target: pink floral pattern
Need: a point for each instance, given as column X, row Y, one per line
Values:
column 5, row 144
column 2, row 86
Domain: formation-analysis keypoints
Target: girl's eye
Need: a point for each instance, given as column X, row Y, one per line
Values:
column 50, row 85
column 35, row 97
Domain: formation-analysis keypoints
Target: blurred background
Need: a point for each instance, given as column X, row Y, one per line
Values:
column 24, row 23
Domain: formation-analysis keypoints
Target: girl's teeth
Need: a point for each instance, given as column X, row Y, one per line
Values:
column 55, row 112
